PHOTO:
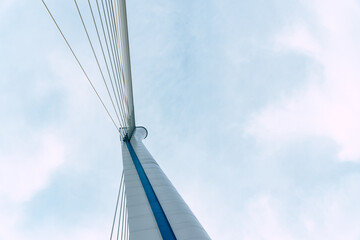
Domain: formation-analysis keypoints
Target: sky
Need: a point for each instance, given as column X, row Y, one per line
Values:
column 252, row 109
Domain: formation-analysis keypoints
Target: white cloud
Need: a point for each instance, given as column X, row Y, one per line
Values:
column 24, row 173
column 328, row 106
column 329, row 212
column 332, row 213
column 5, row 5
column 261, row 221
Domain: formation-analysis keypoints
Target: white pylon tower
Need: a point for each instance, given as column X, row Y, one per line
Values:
column 148, row 205
column 155, row 210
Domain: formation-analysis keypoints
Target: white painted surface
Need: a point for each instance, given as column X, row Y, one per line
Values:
column 142, row 223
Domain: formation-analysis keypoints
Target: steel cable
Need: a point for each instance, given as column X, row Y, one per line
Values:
column 110, row 55
column 82, row 68
column 117, row 203
column 97, row 61
column 121, row 113
column 115, row 50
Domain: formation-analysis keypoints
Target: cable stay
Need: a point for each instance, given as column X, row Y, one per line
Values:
column 122, row 228
column 110, row 51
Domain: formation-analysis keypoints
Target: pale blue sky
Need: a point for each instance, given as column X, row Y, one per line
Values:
column 252, row 109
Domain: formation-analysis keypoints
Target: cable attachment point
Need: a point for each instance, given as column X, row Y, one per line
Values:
column 123, row 133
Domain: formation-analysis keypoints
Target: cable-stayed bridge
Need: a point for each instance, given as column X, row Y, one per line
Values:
column 147, row 205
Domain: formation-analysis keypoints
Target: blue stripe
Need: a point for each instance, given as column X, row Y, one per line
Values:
column 160, row 217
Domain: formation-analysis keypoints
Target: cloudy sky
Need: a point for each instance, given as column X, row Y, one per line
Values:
column 252, row 109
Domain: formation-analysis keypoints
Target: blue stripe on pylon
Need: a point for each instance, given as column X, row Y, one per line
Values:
column 160, row 217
